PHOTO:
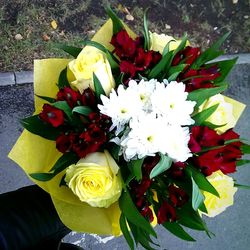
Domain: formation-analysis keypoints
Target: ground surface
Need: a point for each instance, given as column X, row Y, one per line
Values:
column 26, row 32
column 231, row 227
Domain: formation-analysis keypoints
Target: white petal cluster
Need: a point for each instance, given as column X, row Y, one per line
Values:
column 155, row 115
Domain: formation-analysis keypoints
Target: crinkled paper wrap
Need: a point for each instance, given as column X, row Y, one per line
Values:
column 36, row 154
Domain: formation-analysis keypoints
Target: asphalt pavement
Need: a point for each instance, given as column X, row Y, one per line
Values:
column 231, row 227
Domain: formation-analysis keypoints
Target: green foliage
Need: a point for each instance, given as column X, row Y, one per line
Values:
column 73, row 51
column 163, row 165
column 211, row 53
column 200, row 117
column 147, row 42
column 200, row 95
column 46, row 98
column 177, row 230
column 82, row 110
column 62, row 163
column 38, row 127
column 117, row 23
column 63, row 80
column 98, row 87
column 135, row 168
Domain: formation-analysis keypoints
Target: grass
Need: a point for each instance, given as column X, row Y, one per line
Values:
column 79, row 19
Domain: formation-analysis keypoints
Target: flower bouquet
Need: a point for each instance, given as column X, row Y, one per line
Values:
column 133, row 132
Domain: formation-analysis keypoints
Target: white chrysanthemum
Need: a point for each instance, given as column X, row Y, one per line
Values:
column 121, row 106
column 176, row 140
column 143, row 90
column 171, row 101
column 144, row 137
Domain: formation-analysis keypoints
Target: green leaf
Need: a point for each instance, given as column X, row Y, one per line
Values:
column 83, row 110
column 147, row 43
column 224, row 67
column 203, row 208
column 177, row 69
column 42, row 176
column 125, row 231
column 163, row 165
column 173, row 76
column 245, row 148
column 64, row 161
column 202, row 181
column 135, row 167
column 241, row 186
column 211, row 125
column 38, row 127
column 98, row 87
column 177, row 230
column 197, row 196
column 63, row 80
column 63, row 182
column 200, row 95
column 242, row 162
column 117, row 24
column 132, row 214
column 202, row 116
column 181, row 46
column 190, row 218
column 64, row 106
column 46, row 98
column 211, row 53
column 161, row 66
column 73, row 51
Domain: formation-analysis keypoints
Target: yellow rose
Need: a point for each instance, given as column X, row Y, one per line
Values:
column 225, row 187
column 89, row 61
column 158, row 42
column 95, row 179
column 222, row 115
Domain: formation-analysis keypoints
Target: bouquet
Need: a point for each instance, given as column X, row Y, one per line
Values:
column 134, row 132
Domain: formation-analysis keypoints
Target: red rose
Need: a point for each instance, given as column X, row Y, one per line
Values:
column 166, row 213
column 52, row 115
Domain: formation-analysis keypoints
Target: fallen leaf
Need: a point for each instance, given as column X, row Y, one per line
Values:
column 18, row 37
column 53, row 24
column 168, row 27
column 235, row 1
column 45, row 37
column 129, row 17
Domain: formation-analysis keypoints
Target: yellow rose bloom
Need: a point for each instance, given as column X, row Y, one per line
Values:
column 222, row 115
column 89, row 61
column 158, row 42
column 225, row 187
column 95, row 179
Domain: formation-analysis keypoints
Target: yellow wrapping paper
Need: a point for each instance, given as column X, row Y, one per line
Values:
column 35, row 154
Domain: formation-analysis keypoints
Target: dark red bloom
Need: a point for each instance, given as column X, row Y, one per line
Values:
column 125, row 46
column 52, row 115
column 230, row 135
column 129, row 69
column 69, row 95
column 88, row 98
column 147, row 213
column 102, row 121
column 203, row 136
column 65, row 142
column 94, row 135
column 166, row 213
column 149, row 163
column 201, row 78
column 187, row 56
column 223, row 159
column 143, row 59
column 177, row 169
column 177, row 196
